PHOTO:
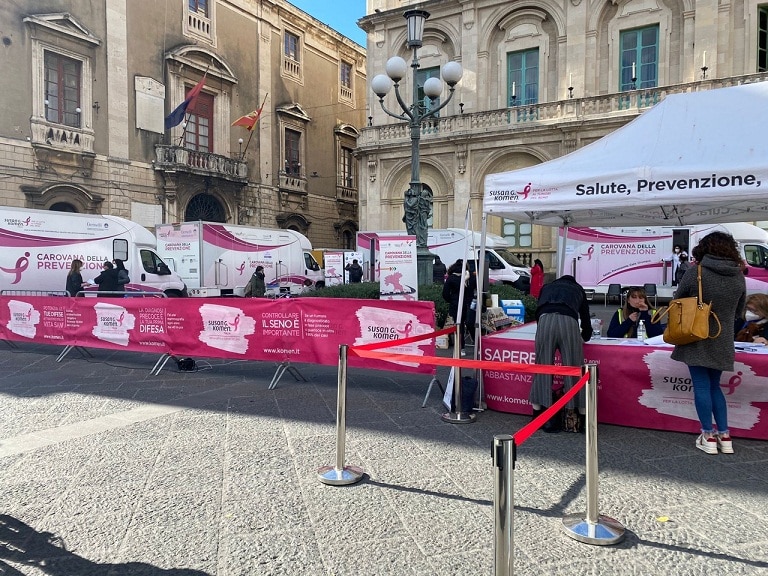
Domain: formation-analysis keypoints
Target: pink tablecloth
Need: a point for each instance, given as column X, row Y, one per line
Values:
column 639, row 385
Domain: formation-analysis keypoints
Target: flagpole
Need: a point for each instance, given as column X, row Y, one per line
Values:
column 251, row 131
column 186, row 121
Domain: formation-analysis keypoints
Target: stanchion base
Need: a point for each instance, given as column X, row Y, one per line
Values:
column 335, row 477
column 459, row 417
column 605, row 532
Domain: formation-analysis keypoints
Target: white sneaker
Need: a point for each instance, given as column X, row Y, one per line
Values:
column 724, row 443
column 708, row 445
column 463, row 353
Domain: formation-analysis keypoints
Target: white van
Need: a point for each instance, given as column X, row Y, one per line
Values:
column 452, row 244
column 217, row 259
column 37, row 248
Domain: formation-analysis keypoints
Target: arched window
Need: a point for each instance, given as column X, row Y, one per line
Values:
column 63, row 207
column 205, row 207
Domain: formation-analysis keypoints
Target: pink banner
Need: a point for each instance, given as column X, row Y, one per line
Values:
column 639, row 386
column 298, row 329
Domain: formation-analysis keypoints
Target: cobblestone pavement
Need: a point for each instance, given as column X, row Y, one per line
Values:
column 107, row 470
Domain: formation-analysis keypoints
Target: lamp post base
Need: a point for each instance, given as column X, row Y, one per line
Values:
column 424, row 263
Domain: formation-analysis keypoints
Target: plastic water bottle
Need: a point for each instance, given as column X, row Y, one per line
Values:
column 641, row 331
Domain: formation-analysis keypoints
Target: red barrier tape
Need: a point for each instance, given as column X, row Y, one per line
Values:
column 390, row 343
column 525, row 432
column 477, row 364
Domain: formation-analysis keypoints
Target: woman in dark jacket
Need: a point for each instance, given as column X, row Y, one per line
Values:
column 74, row 278
column 723, row 284
column 754, row 326
column 107, row 280
column 625, row 320
column 451, row 291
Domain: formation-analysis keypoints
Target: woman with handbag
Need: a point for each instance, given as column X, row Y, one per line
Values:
column 719, row 274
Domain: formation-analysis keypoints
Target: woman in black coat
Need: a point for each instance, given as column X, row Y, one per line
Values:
column 108, row 280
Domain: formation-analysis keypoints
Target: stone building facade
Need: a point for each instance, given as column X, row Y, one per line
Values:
column 542, row 78
column 83, row 124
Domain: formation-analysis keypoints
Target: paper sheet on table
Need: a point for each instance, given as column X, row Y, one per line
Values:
column 657, row 341
column 750, row 347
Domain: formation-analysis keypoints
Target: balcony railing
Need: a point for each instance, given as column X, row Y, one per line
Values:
column 202, row 163
column 346, row 194
column 617, row 105
column 291, row 67
column 199, row 24
column 66, row 138
column 292, row 182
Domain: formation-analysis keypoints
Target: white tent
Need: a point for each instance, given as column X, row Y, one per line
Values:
column 694, row 158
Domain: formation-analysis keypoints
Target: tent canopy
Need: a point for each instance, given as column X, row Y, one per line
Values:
column 694, row 158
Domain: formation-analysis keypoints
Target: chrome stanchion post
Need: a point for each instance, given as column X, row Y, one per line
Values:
column 458, row 416
column 340, row 475
column 594, row 529
column 503, row 504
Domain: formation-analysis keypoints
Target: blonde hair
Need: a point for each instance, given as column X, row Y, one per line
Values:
column 75, row 267
column 640, row 293
column 759, row 304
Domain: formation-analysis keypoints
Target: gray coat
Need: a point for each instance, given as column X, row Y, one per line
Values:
column 722, row 284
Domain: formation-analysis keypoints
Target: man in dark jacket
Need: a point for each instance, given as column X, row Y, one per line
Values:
column 257, row 286
column 561, row 307
column 355, row 272
column 438, row 271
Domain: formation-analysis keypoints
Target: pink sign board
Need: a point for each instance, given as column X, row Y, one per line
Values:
column 308, row 330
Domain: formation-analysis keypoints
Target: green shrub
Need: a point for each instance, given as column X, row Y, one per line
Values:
column 430, row 292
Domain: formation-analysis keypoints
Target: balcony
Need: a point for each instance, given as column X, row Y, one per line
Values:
column 346, row 194
column 178, row 159
column 199, row 24
column 292, row 182
column 495, row 123
column 291, row 68
column 61, row 137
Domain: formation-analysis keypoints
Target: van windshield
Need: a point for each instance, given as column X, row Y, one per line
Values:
column 509, row 257
column 310, row 262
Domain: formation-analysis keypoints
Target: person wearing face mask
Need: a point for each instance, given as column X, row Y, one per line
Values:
column 626, row 319
column 754, row 327
column 674, row 258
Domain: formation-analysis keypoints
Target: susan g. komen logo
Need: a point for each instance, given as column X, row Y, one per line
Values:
column 589, row 252
column 23, row 318
column 226, row 328
column 22, row 264
column 240, row 268
column 113, row 323
column 671, row 390
column 380, row 324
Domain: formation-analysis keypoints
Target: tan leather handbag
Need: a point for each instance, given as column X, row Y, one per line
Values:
column 688, row 319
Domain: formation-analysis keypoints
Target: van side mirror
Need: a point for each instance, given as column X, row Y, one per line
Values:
column 163, row 270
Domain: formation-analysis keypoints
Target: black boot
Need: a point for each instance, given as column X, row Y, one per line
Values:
column 536, row 413
column 553, row 425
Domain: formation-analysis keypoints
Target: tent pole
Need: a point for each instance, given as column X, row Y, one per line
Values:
column 479, row 311
column 563, row 243
column 459, row 416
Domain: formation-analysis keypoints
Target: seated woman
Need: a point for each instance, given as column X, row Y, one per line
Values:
column 625, row 320
column 755, row 328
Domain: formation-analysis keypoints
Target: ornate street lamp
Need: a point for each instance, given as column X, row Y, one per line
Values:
column 418, row 201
